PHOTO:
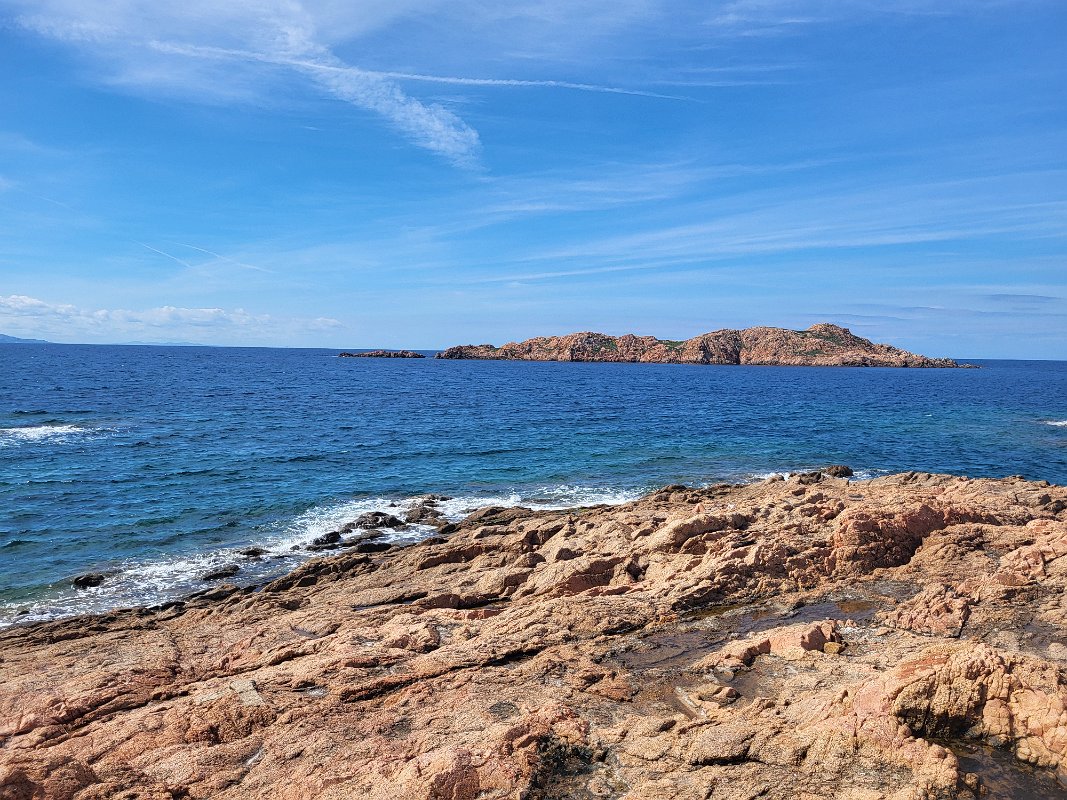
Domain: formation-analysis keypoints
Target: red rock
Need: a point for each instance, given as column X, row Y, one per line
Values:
column 820, row 345
column 693, row 642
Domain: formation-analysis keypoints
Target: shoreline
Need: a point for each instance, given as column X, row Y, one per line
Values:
column 105, row 588
column 760, row 635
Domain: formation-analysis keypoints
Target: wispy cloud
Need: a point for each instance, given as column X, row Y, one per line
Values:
column 1023, row 299
column 756, row 18
column 67, row 321
column 126, row 35
column 222, row 49
column 772, row 224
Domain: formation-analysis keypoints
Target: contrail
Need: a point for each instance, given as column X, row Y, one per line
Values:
column 167, row 255
column 581, row 87
column 224, row 258
column 220, row 52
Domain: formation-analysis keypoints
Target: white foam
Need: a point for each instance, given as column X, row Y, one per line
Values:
column 1062, row 423
column 148, row 583
column 756, row 477
column 42, row 433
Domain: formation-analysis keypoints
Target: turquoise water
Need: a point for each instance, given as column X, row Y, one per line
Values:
column 154, row 464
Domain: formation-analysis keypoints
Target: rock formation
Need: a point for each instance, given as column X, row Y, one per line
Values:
column 382, row 354
column 822, row 345
column 894, row 639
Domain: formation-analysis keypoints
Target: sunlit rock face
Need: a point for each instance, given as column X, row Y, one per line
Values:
column 822, row 345
column 808, row 637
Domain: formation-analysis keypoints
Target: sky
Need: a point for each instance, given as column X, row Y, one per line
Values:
column 415, row 173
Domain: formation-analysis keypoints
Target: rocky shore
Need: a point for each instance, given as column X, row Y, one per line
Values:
column 822, row 345
column 893, row 639
column 382, row 354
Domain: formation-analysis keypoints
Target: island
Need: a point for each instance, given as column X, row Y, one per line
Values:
column 809, row 637
column 383, row 354
column 5, row 339
column 822, row 345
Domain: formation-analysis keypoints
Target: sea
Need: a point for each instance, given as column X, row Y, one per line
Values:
column 154, row 466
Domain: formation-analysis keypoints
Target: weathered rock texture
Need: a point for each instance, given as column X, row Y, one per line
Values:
column 822, row 345
column 780, row 640
column 383, row 354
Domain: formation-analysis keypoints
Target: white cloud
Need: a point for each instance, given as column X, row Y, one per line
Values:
column 30, row 315
column 191, row 47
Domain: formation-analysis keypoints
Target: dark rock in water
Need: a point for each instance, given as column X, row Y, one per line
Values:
column 383, row 354
column 222, row 572
column 328, row 541
column 372, row 547
column 252, row 552
column 378, row 519
column 366, row 536
column 838, row 471
column 808, row 478
column 88, row 580
column 424, row 514
column 360, row 538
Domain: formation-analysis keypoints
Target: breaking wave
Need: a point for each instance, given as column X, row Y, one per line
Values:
column 281, row 548
column 31, row 434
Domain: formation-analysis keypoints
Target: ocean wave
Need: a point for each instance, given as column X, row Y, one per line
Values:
column 283, row 546
column 1061, row 423
column 45, row 433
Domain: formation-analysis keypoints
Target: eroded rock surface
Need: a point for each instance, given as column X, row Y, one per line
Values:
column 780, row 640
column 822, row 345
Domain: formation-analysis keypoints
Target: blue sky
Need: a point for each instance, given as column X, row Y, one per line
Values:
column 420, row 174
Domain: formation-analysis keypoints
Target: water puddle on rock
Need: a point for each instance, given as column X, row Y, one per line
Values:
column 1004, row 776
column 669, row 650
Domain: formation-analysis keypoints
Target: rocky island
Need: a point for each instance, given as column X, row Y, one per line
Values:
column 822, row 345
column 903, row 638
column 382, row 354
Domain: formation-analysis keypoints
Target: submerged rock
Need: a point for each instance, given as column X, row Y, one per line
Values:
column 778, row 640
column 89, row 580
column 227, row 571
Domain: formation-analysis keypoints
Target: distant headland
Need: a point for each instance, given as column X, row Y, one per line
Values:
column 822, row 345
column 5, row 339
column 382, row 354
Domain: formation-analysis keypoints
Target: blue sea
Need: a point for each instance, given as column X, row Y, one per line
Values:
column 155, row 465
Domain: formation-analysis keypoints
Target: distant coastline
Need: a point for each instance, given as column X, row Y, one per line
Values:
column 822, row 345
column 5, row 339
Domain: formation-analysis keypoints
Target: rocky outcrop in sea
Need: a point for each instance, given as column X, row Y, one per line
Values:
column 382, row 354
column 822, row 345
column 810, row 637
